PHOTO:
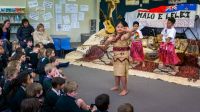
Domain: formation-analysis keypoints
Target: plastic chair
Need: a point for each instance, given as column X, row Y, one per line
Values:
column 57, row 44
column 65, row 44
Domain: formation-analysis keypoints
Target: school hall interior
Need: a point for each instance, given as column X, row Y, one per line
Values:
column 99, row 55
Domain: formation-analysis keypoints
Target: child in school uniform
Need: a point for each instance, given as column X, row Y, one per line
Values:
column 126, row 107
column 34, row 57
column 11, row 72
column 30, row 105
column 29, row 46
column 18, row 92
column 102, row 103
column 50, row 73
column 42, row 63
column 54, row 61
column 35, row 90
column 21, row 57
column 53, row 94
column 137, row 52
column 3, row 62
column 68, row 102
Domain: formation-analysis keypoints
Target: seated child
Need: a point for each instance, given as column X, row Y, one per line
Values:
column 127, row 107
column 30, row 105
column 29, row 46
column 34, row 57
column 53, row 94
column 47, row 82
column 35, row 90
column 102, row 103
column 68, row 102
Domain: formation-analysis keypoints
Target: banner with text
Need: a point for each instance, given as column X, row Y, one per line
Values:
column 157, row 17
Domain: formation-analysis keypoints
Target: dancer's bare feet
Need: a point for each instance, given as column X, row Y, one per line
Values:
column 123, row 93
column 115, row 88
column 143, row 64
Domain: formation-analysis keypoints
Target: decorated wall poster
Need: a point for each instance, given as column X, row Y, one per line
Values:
column 81, row 16
column 66, row 19
column 145, row 1
column 84, row 8
column 47, row 16
column 177, row 1
column 58, row 22
column 132, row 2
column 58, row 8
column 75, row 25
column 47, row 4
column 66, row 27
column 34, row 16
column 58, row 27
column 46, row 25
column 71, row 8
column 32, row 3
column 74, row 17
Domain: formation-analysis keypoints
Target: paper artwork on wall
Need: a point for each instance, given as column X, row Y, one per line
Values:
column 66, row 19
column 71, row 8
column 81, row 16
column 132, row 2
column 47, row 16
column 34, row 16
column 32, row 3
column 47, row 4
column 84, row 8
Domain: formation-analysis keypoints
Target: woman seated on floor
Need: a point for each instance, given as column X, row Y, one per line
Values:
column 41, row 36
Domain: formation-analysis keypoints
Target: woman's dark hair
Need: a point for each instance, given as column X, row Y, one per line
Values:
column 136, row 23
column 24, row 21
column 172, row 19
column 30, row 105
column 7, row 20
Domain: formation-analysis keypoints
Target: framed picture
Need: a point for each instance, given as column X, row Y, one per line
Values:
column 177, row 1
column 132, row 2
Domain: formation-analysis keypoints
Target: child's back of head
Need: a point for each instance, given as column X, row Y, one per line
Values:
column 102, row 102
column 57, row 82
column 127, row 107
column 30, row 105
column 34, row 90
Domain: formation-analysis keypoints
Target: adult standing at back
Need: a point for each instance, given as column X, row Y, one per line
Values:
column 5, row 35
column 41, row 36
column 24, row 32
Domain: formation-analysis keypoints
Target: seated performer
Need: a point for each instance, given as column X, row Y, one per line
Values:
column 120, row 42
column 167, row 52
column 137, row 53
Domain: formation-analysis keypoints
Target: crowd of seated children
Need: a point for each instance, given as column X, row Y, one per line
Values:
column 31, row 79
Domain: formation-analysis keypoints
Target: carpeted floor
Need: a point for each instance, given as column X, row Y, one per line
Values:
column 146, row 95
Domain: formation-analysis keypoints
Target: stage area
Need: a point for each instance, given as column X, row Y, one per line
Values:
column 147, row 95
